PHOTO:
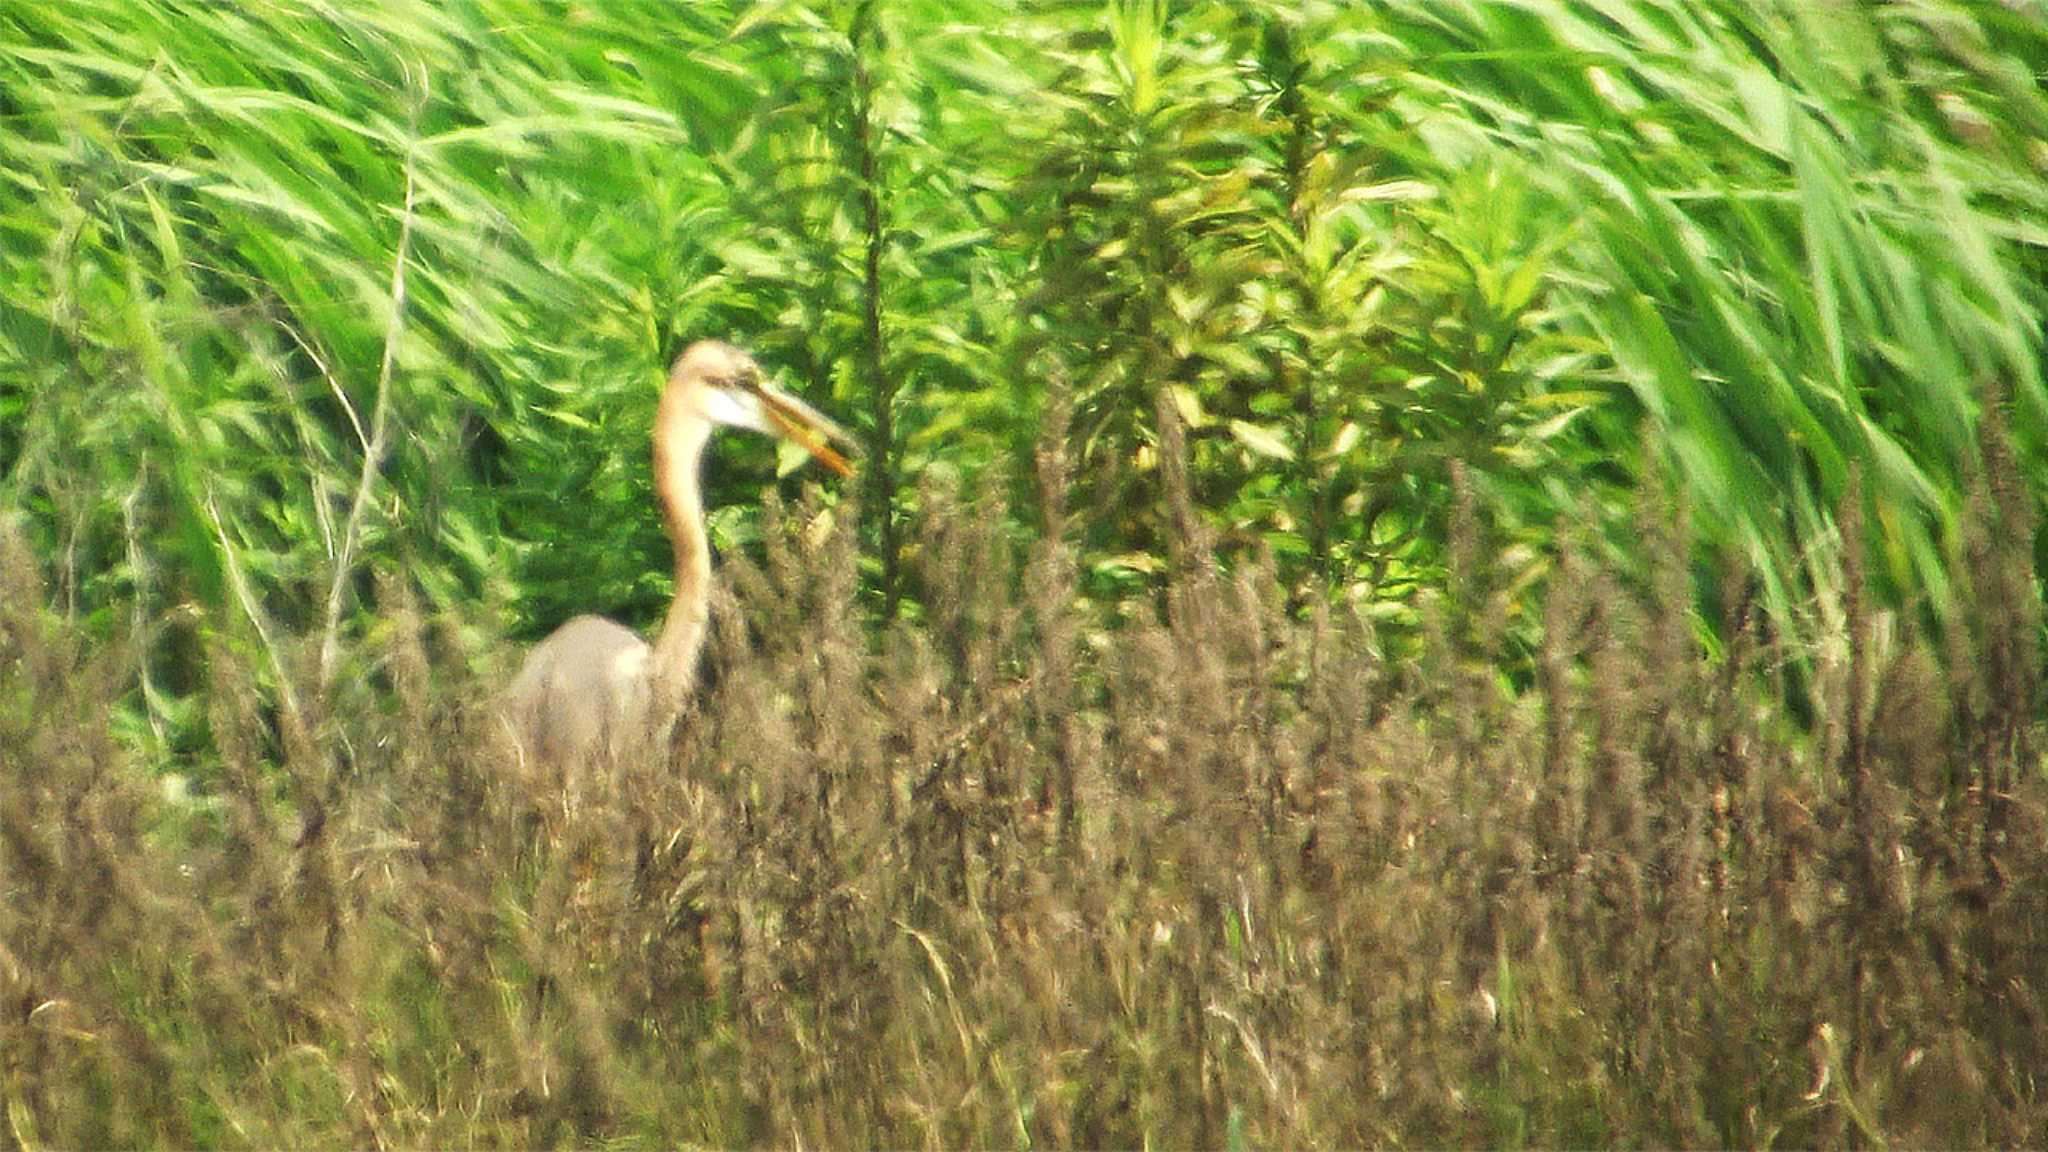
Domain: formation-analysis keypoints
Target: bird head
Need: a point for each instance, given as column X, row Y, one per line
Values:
column 722, row 385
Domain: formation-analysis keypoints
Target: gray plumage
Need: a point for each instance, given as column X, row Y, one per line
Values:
column 579, row 689
column 593, row 686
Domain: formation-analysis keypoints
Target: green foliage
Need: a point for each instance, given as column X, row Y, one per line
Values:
column 307, row 309
column 1346, row 244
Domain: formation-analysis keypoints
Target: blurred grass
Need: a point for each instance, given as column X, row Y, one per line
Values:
column 1353, row 244
column 1224, row 878
column 1270, row 764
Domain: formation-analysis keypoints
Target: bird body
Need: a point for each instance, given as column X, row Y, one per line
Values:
column 580, row 687
column 592, row 682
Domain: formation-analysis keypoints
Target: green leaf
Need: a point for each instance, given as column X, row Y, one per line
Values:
column 1261, row 440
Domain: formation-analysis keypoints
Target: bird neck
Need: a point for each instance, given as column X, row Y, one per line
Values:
column 679, row 440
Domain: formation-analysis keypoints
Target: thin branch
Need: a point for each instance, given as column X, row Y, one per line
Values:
column 323, row 495
column 138, row 569
column 881, row 386
column 254, row 611
column 78, row 520
column 326, row 373
column 380, row 429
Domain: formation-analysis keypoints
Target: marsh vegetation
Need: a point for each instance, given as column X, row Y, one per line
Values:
column 1421, row 574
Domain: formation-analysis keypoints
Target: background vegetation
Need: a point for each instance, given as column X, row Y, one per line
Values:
column 1215, row 715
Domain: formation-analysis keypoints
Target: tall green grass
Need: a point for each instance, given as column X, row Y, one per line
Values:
column 1218, row 716
column 1349, row 244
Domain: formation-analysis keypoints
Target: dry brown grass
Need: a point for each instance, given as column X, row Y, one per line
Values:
column 1216, row 877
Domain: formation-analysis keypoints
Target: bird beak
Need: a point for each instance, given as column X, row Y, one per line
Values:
column 806, row 427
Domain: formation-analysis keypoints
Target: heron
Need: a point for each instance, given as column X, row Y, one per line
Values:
column 594, row 681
